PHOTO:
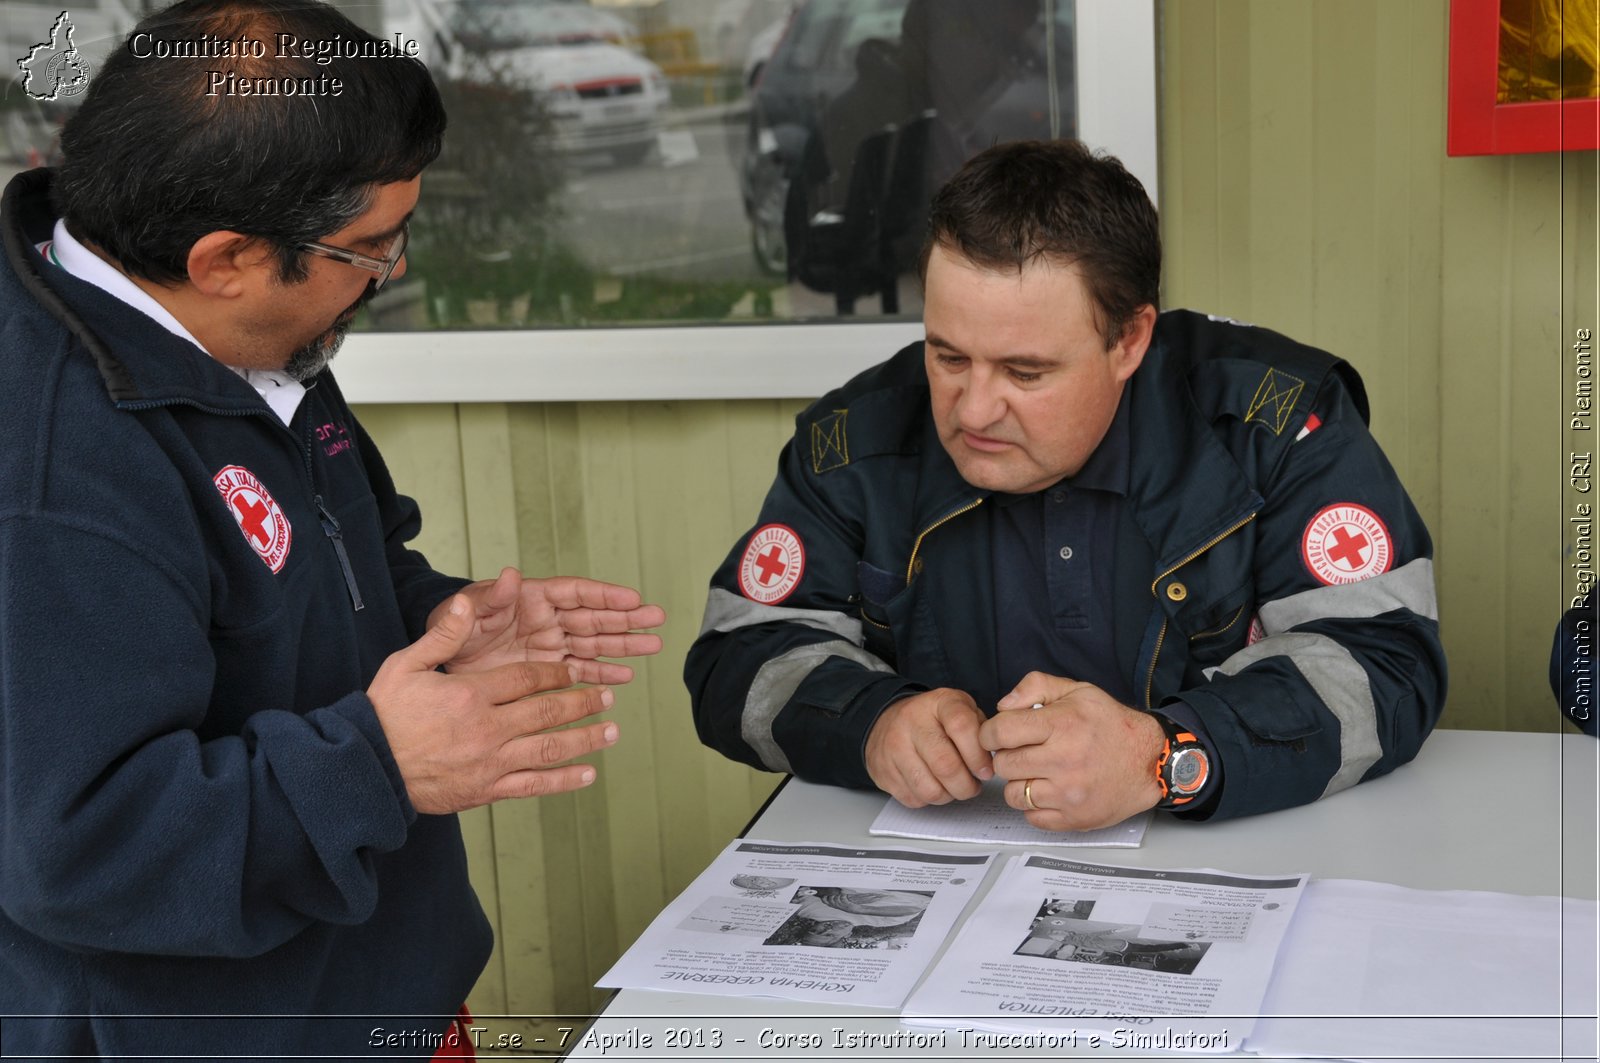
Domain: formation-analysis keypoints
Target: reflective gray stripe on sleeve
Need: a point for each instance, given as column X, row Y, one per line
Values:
column 1408, row 587
column 726, row 611
column 776, row 683
column 1334, row 674
column 1338, row 679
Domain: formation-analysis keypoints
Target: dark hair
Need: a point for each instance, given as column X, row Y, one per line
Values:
column 1055, row 199
column 152, row 162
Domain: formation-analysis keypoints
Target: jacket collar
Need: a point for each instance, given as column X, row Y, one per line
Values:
column 150, row 366
column 1183, row 486
column 1186, row 489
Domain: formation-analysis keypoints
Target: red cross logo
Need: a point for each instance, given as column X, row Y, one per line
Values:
column 1345, row 543
column 252, row 518
column 772, row 564
column 258, row 514
column 1347, row 548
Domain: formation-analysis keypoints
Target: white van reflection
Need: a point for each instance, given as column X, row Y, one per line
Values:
column 601, row 96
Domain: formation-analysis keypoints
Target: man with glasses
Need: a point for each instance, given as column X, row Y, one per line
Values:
column 382, row 266
column 237, row 713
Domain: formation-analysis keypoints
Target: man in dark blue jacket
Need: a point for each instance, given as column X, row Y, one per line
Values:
column 237, row 713
column 1120, row 559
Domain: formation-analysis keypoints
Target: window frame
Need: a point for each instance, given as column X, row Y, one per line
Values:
column 1116, row 94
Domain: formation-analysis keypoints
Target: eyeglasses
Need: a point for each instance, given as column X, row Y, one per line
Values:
column 383, row 267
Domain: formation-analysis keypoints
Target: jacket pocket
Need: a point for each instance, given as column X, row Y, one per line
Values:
column 1221, row 630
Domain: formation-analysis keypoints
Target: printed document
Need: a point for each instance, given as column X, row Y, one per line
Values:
column 814, row 922
column 988, row 820
column 1374, row 971
column 1098, row 956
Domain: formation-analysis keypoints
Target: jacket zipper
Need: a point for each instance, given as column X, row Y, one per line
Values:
column 1150, row 676
column 330, row 525
column 911, row 565
column 330, row 528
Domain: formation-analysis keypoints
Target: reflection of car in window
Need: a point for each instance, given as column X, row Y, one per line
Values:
column 906, row 89
column 600, row 95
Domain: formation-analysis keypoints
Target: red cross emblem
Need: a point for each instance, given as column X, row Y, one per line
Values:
column 772, row 564
column 1346, row 543
column 252, row 517
column 258, row 514
column 1348, row 546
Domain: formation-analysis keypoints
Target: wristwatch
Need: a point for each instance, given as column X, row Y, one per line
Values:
column 1183, row 767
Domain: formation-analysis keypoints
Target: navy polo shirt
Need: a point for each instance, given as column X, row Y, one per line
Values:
column 1054, row 556
column 1052, row 569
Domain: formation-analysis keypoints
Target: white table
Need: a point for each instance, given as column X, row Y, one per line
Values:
column 1503, row 811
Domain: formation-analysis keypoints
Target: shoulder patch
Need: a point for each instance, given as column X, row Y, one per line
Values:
column 1346, row 543
column 1275, row 400
column 830, row 444
column 772, row 564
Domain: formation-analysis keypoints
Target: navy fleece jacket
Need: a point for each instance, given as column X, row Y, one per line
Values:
column 199, row 814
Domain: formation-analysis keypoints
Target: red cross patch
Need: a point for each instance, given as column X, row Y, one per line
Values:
column 772, row 564
column 1346, row 543
column 260, row 517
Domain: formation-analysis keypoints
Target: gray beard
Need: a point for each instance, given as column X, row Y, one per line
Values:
column 314, row 357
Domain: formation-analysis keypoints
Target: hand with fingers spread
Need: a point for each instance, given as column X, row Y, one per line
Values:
column 564, row 618
column 464, row 740
column 1080, row 761
column 924, row 749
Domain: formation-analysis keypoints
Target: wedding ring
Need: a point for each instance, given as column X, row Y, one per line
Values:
column 1027, row 795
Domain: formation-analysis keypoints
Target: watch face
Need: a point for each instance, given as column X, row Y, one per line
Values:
column 1188, row 770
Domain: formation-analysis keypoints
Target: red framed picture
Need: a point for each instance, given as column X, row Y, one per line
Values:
column 1523, row 76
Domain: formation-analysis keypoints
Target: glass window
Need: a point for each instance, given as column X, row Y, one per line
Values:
column 704, row 198
column 601, row 171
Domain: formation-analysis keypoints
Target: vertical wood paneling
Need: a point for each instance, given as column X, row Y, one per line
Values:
column 1535, row 470
column 674, row 463
column 1472, row 538
column 1342, row 202
column 1233, row 88
column 1189, row 153
column 583, row 836
column 536, row 840
column 1408, row 385
column 1411, row 44
column 1278, row 168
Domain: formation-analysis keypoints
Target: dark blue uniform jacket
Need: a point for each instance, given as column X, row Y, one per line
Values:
column 1306, row 683
column 199, row 814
